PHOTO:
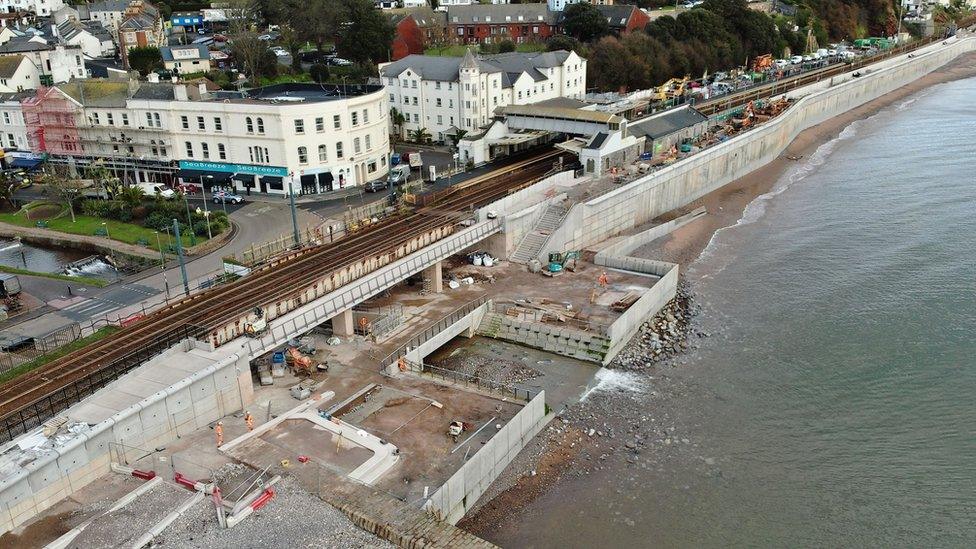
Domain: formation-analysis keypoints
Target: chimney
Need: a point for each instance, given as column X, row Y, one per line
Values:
column 179, row 92
column 202, row 86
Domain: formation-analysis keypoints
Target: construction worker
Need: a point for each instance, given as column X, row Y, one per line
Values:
column 603, row 280
column 249, row 420
column 219, row 429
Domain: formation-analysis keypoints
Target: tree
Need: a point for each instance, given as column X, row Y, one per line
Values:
column 64, row 185
column 319, row 73
column 292, row 42
column 145, row 59
column 251, row 54
column 366, row 35
column 584, row 22
column 506, row 46
column 131, row 196
column 315, row 21
column 420, row 135
column 7, row 187
column 565, row 43
column 398, row 120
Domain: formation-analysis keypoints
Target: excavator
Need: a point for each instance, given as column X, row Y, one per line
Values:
column 762, row 62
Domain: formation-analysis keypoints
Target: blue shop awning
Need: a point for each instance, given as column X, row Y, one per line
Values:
column 193, row 176
column 25, row 163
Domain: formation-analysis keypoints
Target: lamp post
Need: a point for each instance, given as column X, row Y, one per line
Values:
column 206, row 212
column 162, row 263
column 344, row 91
column 189, row 220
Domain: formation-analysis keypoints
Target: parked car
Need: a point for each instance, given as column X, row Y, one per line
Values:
column 338, row 61
column 782, row 63
column 279, row 51
column 188, row 188
column 265, row 37
column 796, row 59
column 227, row 198
column 156, row 189
column 375, row 185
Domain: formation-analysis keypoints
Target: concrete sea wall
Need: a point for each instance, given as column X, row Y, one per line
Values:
column 453, row 499
column 689, row 179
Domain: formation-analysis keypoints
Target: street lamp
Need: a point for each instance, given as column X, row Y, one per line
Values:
column 206, row 212
column 104, row 224
column 189, row 220
column 162, row 262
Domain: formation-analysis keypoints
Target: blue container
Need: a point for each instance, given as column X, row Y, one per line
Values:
column 278, row 357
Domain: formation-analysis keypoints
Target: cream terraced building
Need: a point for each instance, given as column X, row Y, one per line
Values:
column 444, row 94
column 320, row 138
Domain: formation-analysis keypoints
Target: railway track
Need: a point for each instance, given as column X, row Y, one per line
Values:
column 784, row 85
column 27, row 401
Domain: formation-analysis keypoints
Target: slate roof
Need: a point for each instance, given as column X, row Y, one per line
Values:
column 617, row 15
column 424, row 16
column 499, row 14
column 24, row 44
column 202, row 52
column 446, row 69
column 108, row 5
column 70, row 29
column 666, row 123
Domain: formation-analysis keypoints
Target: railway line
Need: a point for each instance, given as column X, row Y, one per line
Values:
column 783, row 85
column 27, row 401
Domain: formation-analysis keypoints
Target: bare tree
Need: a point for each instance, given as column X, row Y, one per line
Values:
column 64, row 186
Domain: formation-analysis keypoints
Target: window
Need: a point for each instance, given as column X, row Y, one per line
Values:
column 392, row 98
column 320, row 124
column 413, row 84
column 299, row 125
column 156, row 120
column 355, row 146
column 250, row 124
column 415, row 101
column 221, row 151
column 95, row 119
column 323, row 154
column 368, row 144
column 440, row 120
column 437, row 85
column 337, row 122
column 371, row 167
column 302, row 155
column 383, row 161
column 218, row 124
column 189, row 149
column 260, row 125
column 416, row 118
column 365, row 116
column 162, row 151
column 111, row 121
column 206, row 150
column 149, row 119
column 6, row 118
column 250, row 152
column 339, row 150
column 355, row 117
column 125, row 119
column 201, row 125
column 437, row 102
column 467, row 104
column 185, row 122
column 450, row 103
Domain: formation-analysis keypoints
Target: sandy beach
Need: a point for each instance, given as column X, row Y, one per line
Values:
column 726, row 205
column 542, row 465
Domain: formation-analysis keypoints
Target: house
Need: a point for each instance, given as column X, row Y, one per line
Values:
column 488, row 23
column 109, row 13
column 16, row 19
column 54, row 62
column 6, row 33
column 448, row 95
column 416, row 30
column 67, row 12
column 624, row 17
column 186, row 59
column 186, row 20
column 17, row 74
column 40, row 8
column 141, row 26
column 669, row 128
column 94, row 39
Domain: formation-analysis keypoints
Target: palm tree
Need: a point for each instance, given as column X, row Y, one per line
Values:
column 398, row 120
column 457, row 136
column 131, row 196
column 420, row 135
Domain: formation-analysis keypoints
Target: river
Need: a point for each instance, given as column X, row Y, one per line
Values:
column 834, row 404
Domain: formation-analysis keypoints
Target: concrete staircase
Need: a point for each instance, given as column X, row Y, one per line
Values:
column 588, row 346
column 533, row 242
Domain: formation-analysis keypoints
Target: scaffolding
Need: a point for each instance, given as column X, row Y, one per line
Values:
column 52, row 123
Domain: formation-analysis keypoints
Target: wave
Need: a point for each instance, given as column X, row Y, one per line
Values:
column 615, row 381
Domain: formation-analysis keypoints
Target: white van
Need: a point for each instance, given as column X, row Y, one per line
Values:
column 156, row 189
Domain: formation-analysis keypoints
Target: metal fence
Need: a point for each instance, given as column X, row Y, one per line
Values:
column 432, row 330
column 468, row 380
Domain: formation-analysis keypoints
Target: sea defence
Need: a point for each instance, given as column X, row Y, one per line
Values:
column 677, row 185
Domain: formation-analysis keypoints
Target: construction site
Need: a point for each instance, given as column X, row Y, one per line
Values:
column 331, row 395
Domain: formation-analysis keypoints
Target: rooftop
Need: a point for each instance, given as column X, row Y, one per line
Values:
column 446, row 69
column 665, row 123
column 9, row 65
column 201, row 52
column 566, row 113
column 501, row 13
column 297, row 93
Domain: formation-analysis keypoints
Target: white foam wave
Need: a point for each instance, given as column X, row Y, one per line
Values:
column 13, row 246
column 615, row 381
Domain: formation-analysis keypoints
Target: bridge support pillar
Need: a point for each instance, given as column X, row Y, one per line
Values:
column 434, row 278
column 342, row 324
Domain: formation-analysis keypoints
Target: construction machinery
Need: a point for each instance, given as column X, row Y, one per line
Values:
column 670, row 90
column 255, row 324
column 762, row 63
column 300, row 364
column 563, row 260
column 457, row 427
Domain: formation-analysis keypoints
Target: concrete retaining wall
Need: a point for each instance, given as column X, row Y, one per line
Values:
column 194, row 402
column 466, row 325
column 689, row 179
column 576, row 344
column 648, row 305
column 453, row 499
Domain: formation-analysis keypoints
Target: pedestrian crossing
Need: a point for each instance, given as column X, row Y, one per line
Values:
column 90, row 307
column 115, row 298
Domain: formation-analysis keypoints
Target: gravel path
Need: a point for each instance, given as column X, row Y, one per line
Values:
column 120, row 528
column 294, row 518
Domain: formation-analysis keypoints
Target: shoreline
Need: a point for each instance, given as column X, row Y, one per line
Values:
column 540, row 468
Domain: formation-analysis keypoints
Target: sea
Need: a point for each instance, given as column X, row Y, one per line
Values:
column 834, row 404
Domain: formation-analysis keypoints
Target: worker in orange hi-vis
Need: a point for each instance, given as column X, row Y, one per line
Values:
column 219, row 429
column 249, row 420
column 603, row 280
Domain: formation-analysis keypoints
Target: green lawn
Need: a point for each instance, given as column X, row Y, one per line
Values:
column 57, row 353
column 56, row 276
column 129, row 233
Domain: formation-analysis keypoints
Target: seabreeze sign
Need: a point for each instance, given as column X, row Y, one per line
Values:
column 223, row 167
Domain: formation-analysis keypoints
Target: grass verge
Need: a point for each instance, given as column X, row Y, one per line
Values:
column 56, row 354
column 130, row 233
column 57, row 276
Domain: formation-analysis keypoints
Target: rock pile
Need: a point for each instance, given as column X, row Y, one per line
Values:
column 497, row 370
column 662, row 337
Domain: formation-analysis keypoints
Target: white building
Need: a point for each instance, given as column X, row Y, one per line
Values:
column 444, row 94
column 109, row 13
column 186, row 59
column 93, row 39
column 41, row 8
column 17, row 73
column 13, row 131
column 321, row 139
column 55, row 63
